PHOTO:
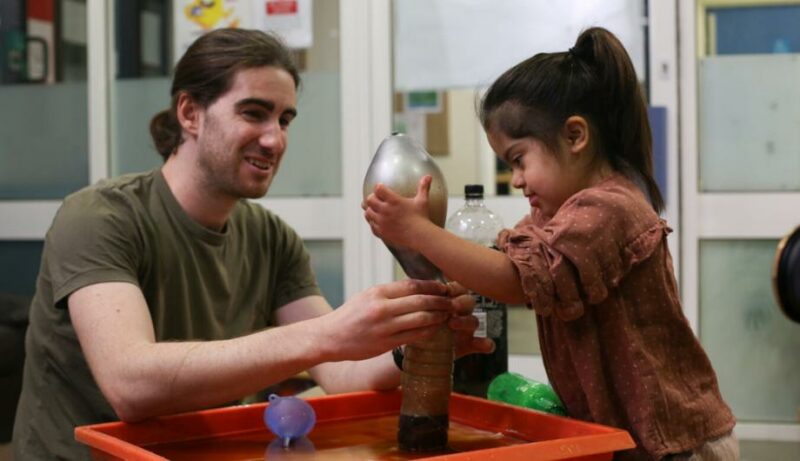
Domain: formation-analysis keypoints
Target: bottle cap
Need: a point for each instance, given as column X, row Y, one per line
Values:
column 473, row 191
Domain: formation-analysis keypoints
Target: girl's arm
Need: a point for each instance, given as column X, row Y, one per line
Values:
column 403, row 222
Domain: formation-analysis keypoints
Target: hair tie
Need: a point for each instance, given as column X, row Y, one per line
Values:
column 573, row 52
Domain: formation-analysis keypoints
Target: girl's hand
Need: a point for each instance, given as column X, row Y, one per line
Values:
column 398, row 220
column 464, row 324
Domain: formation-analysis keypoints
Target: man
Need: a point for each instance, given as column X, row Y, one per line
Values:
column 155, row 289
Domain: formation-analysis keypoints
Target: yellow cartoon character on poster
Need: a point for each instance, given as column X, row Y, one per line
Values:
column 207, row 13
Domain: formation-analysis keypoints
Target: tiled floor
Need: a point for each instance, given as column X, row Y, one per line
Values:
column 769, row 451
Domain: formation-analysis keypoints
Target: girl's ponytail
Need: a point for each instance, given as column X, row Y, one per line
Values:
column 624, row 126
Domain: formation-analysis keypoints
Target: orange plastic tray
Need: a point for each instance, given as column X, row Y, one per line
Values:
column 360, row 425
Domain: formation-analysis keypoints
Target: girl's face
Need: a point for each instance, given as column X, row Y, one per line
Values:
column 546, row 178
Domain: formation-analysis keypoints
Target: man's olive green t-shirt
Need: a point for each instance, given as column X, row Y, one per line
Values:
column 199, row 285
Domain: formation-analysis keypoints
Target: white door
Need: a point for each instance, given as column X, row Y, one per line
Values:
column 740, row 176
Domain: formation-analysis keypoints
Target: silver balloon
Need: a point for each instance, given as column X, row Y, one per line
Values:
column 399, row 163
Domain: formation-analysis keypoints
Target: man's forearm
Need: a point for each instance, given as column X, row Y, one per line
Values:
column 164, row 378
column 377, row 373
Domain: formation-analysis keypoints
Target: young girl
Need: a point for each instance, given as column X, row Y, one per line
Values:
column 591, row 258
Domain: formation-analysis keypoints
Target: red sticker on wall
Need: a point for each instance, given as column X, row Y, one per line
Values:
column 281, row 7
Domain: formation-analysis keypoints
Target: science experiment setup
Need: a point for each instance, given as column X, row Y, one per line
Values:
column 399, row 163
column 422, row 420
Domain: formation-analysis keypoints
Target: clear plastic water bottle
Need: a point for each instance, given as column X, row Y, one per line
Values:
column 473, row 373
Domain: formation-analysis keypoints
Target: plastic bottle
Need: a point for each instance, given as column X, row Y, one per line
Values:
column 518, row 390
column 473, row 373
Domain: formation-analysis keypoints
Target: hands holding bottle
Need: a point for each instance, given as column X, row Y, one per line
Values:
column 398, row 220
column 403, row 312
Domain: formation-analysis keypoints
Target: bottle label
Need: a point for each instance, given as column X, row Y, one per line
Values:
column 480, row 314
column 473, row 373
column 490, row 316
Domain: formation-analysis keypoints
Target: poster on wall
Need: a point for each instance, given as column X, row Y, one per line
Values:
column 193, row 18
column 290, row 19
column 41, row 41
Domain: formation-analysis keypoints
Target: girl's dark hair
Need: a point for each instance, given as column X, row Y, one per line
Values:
column 594, row 79
column 206, row 71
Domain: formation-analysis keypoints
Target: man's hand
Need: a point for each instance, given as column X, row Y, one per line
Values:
column 464, row 324
column 386, row 316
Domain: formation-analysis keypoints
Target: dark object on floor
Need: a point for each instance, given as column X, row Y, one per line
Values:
column 13, row 323
column 786, row 275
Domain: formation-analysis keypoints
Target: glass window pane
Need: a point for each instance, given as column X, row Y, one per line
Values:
column 43, row 115
column 312, row 164
column 327, row 261
column 752, row 345
column 19, row 266
column 748, row 139
column 139, row 100
column 755, row 29
column 447, row 51
column 142, row 32
column 143, row 43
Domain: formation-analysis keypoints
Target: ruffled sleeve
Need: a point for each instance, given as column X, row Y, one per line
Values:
column 584, row 251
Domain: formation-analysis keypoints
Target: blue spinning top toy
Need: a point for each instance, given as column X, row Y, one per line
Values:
column 289, row 418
